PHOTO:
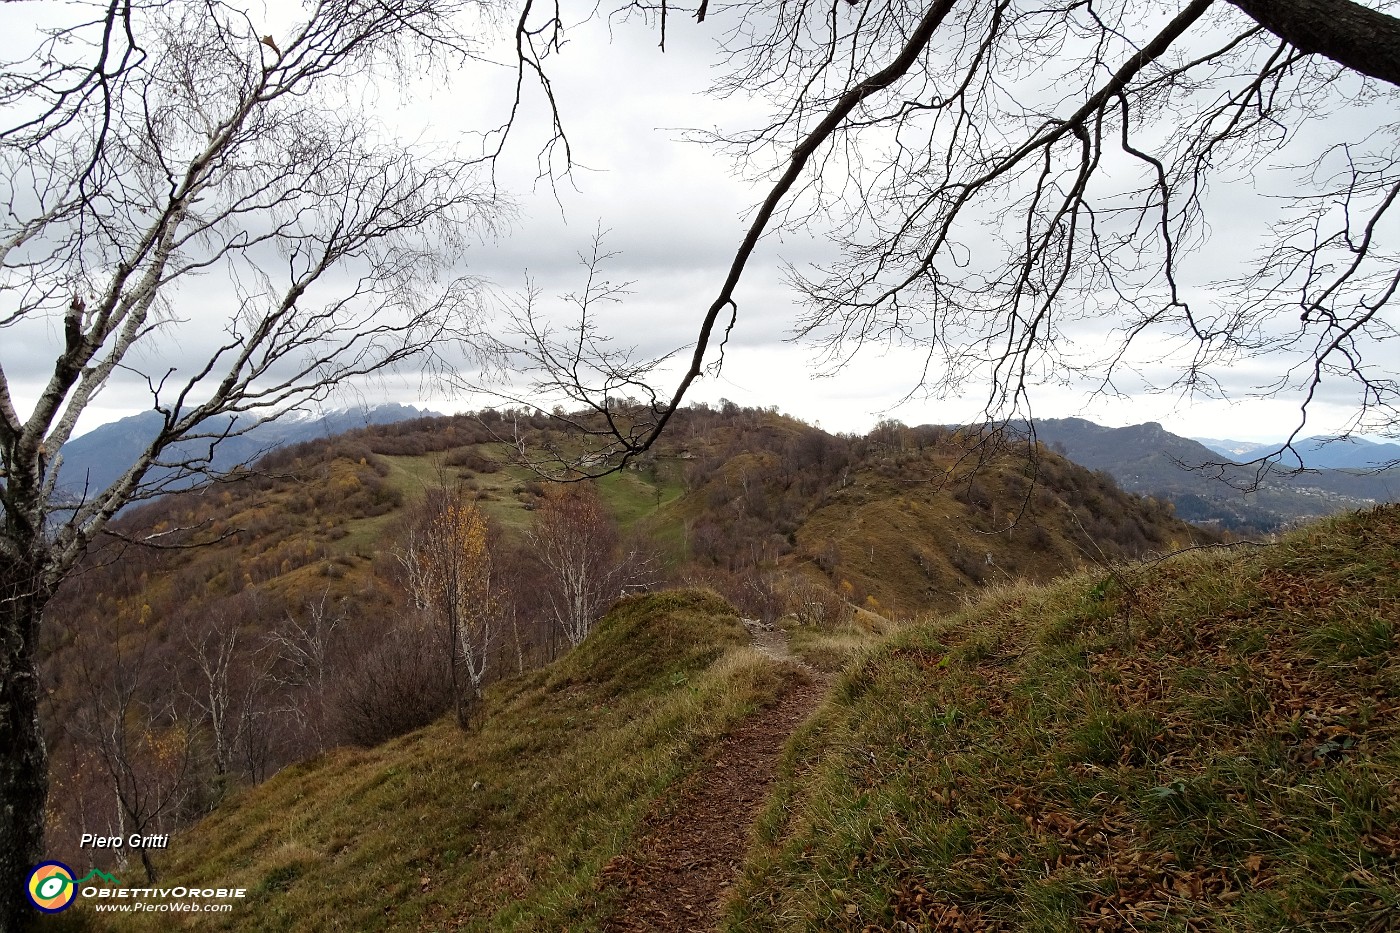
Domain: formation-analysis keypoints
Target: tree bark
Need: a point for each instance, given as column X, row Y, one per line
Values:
column 148, row 867
column 1350, row 34
column 24, row 779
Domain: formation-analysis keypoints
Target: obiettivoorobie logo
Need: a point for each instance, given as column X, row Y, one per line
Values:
column 52, row 888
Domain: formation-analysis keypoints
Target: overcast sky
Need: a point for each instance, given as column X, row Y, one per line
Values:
column 674, row 212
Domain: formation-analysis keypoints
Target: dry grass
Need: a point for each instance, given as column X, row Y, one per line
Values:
column 504, row 828
column 831, row 649
column 1212, row 742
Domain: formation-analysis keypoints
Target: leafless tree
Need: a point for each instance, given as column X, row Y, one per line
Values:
column 148, row 152
column 306, row 650
column 447, row 561
column 213, row 651
column 592, row 381
column 229, row 686
column 816, row 603
column 1025, row 192
column 260, row 711
column 585, row 564
column 146, row 750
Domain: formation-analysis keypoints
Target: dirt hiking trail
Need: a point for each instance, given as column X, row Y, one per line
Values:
column 694, row 842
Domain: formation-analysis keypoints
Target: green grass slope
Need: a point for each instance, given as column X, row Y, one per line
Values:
column 919, row 531
column 1210, row 742
column 504, row 828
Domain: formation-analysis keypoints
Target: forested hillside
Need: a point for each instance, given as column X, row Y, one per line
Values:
column 225, row 632
column 1205, row 741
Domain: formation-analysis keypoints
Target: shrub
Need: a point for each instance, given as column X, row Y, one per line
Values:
column 396, row 687
column 471, row 458
column 972, row 566
column 816, row 603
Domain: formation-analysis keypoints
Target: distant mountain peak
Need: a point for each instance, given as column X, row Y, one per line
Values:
column 1317, row 452
column 96, row 459
column 1150, row 460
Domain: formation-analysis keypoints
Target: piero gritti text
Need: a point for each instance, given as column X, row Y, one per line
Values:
column 134, row 841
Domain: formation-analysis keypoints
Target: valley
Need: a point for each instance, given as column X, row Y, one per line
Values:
column 992, row 646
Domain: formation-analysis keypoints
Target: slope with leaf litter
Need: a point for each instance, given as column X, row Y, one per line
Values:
column 681, row 868
column 503, row 828
column 1211, row 742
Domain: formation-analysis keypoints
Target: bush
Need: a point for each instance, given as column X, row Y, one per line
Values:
column 816, row 604
column 973, row 567
column 472, row 459
column 396, row 687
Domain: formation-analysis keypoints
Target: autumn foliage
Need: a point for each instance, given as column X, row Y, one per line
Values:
column 347, row 591
column 576, row 544
column 448, row 564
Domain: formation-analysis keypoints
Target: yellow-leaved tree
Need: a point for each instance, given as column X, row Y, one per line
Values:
column 447, row 557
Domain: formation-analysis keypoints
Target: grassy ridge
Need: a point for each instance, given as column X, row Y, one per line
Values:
column 1211, row 742
column 501, row 829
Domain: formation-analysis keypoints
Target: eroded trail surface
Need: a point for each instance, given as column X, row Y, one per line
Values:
column 693, row 845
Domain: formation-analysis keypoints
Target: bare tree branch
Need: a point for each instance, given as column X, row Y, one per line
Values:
column 1023, row 193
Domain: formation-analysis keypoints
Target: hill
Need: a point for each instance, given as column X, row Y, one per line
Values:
column 916, row 522
column 1208, row 742
column 906, row 515
column 1204, row 487
column 1204, row 742
column 507, row 827
column 281, row 623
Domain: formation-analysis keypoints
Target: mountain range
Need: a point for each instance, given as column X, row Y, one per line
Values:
column 1149, row 460
column 1346, row 453
column 96, row 459
column 1208, row 480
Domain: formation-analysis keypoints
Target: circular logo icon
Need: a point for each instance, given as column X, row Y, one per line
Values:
column 51, row 887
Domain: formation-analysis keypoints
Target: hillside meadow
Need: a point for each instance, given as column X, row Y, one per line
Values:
column 1207, row 742
column 1204, row 742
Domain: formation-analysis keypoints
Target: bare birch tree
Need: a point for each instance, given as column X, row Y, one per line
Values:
column 230, row 680
column 214, row 652
column 585, row 565
column 448, row 565
column 153, row 156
